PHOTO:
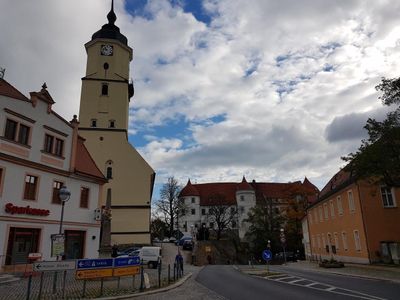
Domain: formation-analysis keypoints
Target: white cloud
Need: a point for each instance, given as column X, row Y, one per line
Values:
column 279, row 72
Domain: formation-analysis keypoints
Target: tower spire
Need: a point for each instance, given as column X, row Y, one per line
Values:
column 111, row 15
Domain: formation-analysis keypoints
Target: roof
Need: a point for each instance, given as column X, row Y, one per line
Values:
column 227, row 190
column 8, row 90
column 85, row 164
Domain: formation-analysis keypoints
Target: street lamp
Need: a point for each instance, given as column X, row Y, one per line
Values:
column 64, row 194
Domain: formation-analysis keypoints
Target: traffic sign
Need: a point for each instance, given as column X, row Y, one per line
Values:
column 94, row 273
column 94, row 263
column 126, row 261
column 267, row 255
column 41, row 266
column 126, row 271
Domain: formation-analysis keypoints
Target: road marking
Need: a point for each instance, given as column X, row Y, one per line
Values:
column 329, row 288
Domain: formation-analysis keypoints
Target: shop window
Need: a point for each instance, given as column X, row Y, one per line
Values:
column 84, row 201
column 53, row 145
column 387, row 197
column 17, row 132
column 31, row 183
column 56, row 189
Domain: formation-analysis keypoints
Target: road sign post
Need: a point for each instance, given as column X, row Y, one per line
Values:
column 267, row 256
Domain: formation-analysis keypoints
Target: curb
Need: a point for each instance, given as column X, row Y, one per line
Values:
column 156, row 291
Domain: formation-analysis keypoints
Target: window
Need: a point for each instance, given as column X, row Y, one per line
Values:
column 11, row 130
column 329, row 245
column 23, row 134
column 1, row 179
column 203, row 211
column 93, row 123
column 193, row 211
column 319, row 241
column 241, row 198
column 193, row 200
column 109, row 172
column 310, row 217
column 56, row 189
column 112, row 124
column 357, row 243
column 323, row 240
column 30, row 187
column 17, row 132
column 326, row 211
column 104, row 89
column 332, row 208
column 241, row 209
column 59, row 147
column 387, row 197
column 351, row 201
column 313, row 242
column 84, row 203
column 339, row 205
column 320, row 213
column 344, row 240
column 315, row 215
column 53, row 145
column 335, row 236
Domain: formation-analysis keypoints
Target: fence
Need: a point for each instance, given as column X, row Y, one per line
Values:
column 41, row 285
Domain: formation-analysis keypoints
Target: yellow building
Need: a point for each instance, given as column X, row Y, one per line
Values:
column 103, row 116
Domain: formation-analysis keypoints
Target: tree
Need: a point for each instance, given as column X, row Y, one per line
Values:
column 378, row 157
column 169, row 206
column 222, row 214
column 158, row 228
column 265, row 223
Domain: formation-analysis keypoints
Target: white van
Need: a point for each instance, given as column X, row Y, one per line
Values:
column 150, row 256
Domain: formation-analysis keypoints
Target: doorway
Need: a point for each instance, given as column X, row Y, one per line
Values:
column 74, row 244
column 21, row 242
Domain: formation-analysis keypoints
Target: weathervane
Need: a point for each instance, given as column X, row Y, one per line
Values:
column 2, row 71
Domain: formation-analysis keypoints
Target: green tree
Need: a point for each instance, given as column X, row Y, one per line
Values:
column 378, row 157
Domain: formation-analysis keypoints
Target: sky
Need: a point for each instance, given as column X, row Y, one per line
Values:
column 271, row 90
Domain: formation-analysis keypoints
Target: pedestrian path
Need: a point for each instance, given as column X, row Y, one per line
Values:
column 311, row 284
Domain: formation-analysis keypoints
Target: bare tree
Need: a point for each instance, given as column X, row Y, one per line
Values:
column 169, row 206
column 221, row 213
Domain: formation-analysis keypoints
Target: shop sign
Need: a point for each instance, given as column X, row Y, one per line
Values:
column 27, row 210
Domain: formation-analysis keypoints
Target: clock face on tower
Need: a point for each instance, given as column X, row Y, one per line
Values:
column 106, row 50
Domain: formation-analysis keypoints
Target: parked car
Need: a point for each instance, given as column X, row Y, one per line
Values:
column 187, row 245
column 156, row 240
column 148, row 255
column 182, row 240
column 289, row 256
column 127, row 251
column 165, row 240
column 172, row 239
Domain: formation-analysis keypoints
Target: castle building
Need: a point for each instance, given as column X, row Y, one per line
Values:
column 39, row 153
column 104, row 120
column 198, row 199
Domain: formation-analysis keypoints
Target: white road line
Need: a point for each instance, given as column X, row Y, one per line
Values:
column 288, row 277
column 297, row 280
column 310, row 284
column 331, row 289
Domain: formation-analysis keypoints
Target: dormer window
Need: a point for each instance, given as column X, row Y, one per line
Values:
column 104, row 89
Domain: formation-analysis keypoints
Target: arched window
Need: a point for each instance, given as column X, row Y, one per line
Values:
column 109, row 172
column 104, row 89
column 109, row 169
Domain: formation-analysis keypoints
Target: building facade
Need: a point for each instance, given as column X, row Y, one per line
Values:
column 355, row 220
column 104, row 116
column 198, row 199
column 39, row 153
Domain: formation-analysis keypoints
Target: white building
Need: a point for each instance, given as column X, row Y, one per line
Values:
column 242, row 196
column 40, row 152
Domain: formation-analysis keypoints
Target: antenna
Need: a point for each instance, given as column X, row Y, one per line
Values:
column 2, row 71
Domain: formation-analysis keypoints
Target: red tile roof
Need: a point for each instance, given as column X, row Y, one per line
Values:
column 337, row 180
column 244, row 186
column 85, row 164
column 189, row 190
column 8, row 90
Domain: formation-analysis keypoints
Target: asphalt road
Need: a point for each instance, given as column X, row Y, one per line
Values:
column 230, row 283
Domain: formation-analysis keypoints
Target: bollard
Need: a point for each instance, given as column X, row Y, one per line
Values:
column 159, row 273
column 55, row 282
column 101, row 286
column 84, row 289
column 28, row 293
column 63, row 287
column 174, row 271
column 141, row 277
column 41, row 285
column 118, row 282
column 133, row 282
column 169, row 273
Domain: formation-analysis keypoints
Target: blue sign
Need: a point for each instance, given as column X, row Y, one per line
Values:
column 267, row 255
column 94, row 263
column 127, row 261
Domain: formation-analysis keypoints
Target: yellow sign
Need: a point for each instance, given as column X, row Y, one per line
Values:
column 126, row 271
column 94, row 273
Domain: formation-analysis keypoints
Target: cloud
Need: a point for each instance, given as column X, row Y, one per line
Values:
column 293, row 80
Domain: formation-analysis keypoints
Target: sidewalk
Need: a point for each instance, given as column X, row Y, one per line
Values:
column 391, row 273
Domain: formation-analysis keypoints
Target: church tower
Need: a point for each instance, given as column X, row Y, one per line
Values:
column 104, row 118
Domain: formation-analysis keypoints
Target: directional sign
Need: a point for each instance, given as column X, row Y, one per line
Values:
column 126, row 271
column 94, row 263
column 95, row 273
column 41, row 266
column 126, row 261
column 267, row 255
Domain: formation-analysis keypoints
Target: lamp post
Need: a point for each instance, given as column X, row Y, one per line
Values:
column 64, row 194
